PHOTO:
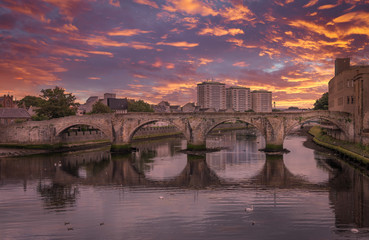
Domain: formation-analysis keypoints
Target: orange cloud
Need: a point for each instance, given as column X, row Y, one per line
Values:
column 311, row 3
column 170, row 66
column 239, row 12
column 205, row 61
column 190, row 7
column 114, row 3
column 139, row 76
column 220, row 31
column 126, row 32
column 179, row 44
column 103, row 41
column 240, row 64
column 101, row 53
column 157, row 64
column 147, row 2
column 68, row 8
column 94, row 78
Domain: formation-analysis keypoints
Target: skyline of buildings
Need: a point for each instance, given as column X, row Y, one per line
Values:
column 211, row 94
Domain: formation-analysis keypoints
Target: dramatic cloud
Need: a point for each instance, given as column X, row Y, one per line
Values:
column 160, row 49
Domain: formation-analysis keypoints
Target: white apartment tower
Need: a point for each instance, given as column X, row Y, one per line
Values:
column 261, row 101
column 211, row 95
column 238, row 98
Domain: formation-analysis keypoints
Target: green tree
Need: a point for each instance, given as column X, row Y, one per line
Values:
column 139, row 106
column 56, row 104
column 321, row 103
column 99, row 107
column 31, row 101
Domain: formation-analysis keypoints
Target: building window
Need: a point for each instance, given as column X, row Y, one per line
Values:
column 348, row 100
column 352, row 99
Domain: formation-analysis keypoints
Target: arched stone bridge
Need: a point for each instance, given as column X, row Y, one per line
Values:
column 120, row 128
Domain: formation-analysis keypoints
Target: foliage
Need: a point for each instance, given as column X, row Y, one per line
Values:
column 99, row 107
column 322, row 103
column 56, row 104
column 139, row 106
column 28, row 101
column 1, row 105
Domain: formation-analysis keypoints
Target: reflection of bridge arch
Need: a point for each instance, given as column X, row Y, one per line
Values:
column 121, row 171
column 276, row 174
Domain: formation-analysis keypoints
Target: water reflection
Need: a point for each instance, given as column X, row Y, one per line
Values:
column 198, row 191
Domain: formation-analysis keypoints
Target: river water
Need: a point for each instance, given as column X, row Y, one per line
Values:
column 159, row 192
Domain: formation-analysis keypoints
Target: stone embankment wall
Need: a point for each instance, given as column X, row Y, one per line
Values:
column 78, row 136
column 156, row 131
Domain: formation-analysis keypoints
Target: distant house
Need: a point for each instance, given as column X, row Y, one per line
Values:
column 189, row 107
column 11, row 115
column 118, row 105
column 7, row 101
column 175, row 109
column 162, row 107
column 87, row 107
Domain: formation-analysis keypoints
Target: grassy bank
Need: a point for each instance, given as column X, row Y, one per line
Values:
column 354, row 151
column 57, row 146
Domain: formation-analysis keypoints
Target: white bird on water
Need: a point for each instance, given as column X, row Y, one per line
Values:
column 249, row 209
column 354, row 230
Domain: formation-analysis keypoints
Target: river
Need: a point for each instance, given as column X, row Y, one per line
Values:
column 159, row 192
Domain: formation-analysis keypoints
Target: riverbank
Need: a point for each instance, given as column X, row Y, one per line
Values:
column 18, row 150
column 358, row 155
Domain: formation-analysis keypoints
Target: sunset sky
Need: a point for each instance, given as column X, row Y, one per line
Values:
column 160, row 49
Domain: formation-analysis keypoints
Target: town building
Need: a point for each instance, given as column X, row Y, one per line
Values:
column 348, row 91
column 238, row 98
column 12, row 115
column 7, row 101
column 341, row 87
column 87, row 107
column 118, row 105
column 261, row 101
column 189, row 107
column 211, row 95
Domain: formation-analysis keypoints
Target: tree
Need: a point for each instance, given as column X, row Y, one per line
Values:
column 99, row 107
column 56, row 103
column 28, row 101
column 139, row 106
column 321, row 103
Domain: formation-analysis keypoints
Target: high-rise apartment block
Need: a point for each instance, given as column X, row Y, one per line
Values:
column 238, row 98
column 261, row 101
column 211, row 95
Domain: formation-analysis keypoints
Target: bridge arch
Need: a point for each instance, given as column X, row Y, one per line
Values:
column 303, row 120
column 259, row 128
column 69, row 124
column 141, row 125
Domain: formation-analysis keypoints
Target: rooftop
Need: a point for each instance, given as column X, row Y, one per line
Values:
column 14, row 113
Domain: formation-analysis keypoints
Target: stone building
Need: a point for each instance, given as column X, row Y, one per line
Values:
column 348, row 91
column 7, row 101
column 261, row 101
column 238, row 98
column 211, row 95
column 12, row 115
column 118, row 105
column 87, row 107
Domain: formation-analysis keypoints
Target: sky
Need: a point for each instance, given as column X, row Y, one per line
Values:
column 158, row 50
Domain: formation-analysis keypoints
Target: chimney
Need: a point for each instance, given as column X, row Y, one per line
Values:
column 341, row 64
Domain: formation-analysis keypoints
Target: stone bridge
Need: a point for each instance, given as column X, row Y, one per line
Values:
column 120, row 128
